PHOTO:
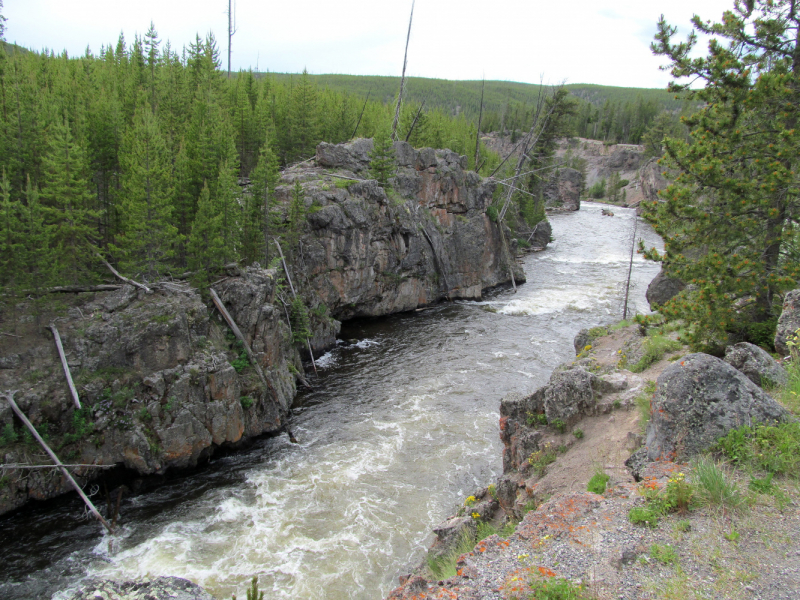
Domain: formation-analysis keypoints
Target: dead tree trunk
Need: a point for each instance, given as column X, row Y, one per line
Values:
column 402, row 79
column 232, row 324
column 10, row 397
column 65, row 366
column 125, row 279
column 294, row 296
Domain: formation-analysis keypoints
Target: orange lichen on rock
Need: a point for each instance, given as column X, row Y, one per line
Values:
column 545, row 572
column 558, row 516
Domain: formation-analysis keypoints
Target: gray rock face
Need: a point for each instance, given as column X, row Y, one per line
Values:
column 563, row 191
column 160, row 588
column 367, row 253
column 652, row 180
column 756, row 364
column 155, row 374
column 788, row 322
column 699, row 399
column 662, row 289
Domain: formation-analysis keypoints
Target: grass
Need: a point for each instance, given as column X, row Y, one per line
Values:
column 597, row 484
column 541, row 458
column 656, row 345
column 714, row 487
column 643, row 404
column 665, row 554
column 789, row 396
column 555, row 589
column 771, row 449
column 444, row 566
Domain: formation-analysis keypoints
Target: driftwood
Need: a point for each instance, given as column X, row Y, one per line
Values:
column 65, row 366
column 402, row 78
column 122, row 277
column 10, row 397
column 232, row 324
column 294, row 295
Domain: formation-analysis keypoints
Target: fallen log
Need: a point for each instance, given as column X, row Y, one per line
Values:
column 235, row 328
column 122, row 277
column 65, row 366
column 10, row 397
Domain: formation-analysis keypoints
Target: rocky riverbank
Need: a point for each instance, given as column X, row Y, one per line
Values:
column 164, row 384
column 547, row 530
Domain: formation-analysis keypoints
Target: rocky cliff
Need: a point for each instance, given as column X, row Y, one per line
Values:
column 162, row 380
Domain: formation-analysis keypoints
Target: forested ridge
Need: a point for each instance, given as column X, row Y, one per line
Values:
column 135, row 154
column 613, row 114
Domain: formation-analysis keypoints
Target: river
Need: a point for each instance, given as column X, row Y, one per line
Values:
column 401, row 426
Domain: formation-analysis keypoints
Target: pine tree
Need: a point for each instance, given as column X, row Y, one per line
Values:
column 148, row 237
column 258, row 212
column 226, row 197
column 305, row 128
column 11, row 247
column 730, row 217
column 206, row 244
column 68, row 202
column 381, row 158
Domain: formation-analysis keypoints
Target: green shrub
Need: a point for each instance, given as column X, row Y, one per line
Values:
column 144, row 415
column 444, row 567
column 246, row 402
column 790, row 394
column 773, row 449
column 82, row 426
column 597, row 484
column 578, row 433
column 645, row 515
column 298, row 318
column 558, row 425
column 533, row 419
column 9, row 435
column 492, row 213
column 644, row 404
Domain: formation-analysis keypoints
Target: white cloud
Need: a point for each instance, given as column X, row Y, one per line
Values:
column 580, row 41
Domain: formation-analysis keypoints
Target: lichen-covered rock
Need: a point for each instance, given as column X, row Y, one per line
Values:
column 663, row 289
column 160, row 588
column 698, row 399
column 756, row 364
column 569, row 395
column 788, row 322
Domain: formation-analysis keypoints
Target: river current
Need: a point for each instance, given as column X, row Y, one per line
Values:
column 401, row 426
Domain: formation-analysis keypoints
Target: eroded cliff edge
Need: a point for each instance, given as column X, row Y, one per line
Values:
column 163, row 382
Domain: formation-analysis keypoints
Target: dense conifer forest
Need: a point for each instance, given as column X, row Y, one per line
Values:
column 135, row 154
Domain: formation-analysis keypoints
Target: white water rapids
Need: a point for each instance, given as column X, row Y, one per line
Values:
column 401, row 426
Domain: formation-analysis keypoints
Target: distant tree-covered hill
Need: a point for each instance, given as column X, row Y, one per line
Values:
column 604, row 112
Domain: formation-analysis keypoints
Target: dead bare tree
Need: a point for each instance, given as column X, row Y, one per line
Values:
column 402, row 79
column 231, row 31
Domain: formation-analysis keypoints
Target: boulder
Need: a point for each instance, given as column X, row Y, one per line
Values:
column 542, row 233
column 757, row 364
column 353, row 156
column 160, row 588
column 569, row 395
column 662, row 289
column 697, row 401
column 788, row 323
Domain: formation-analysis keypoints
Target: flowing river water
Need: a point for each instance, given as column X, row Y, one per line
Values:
column 401, row 426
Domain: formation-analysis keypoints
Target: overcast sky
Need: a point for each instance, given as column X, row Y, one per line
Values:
column 580, row 41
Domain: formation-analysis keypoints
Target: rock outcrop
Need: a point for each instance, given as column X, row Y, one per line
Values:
column 756, row 364
column 563, row 191
column 788, row 322
column 663, row 289
column 160, row 383
column 698, row 399
column 159, row 588
column 367, row 253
